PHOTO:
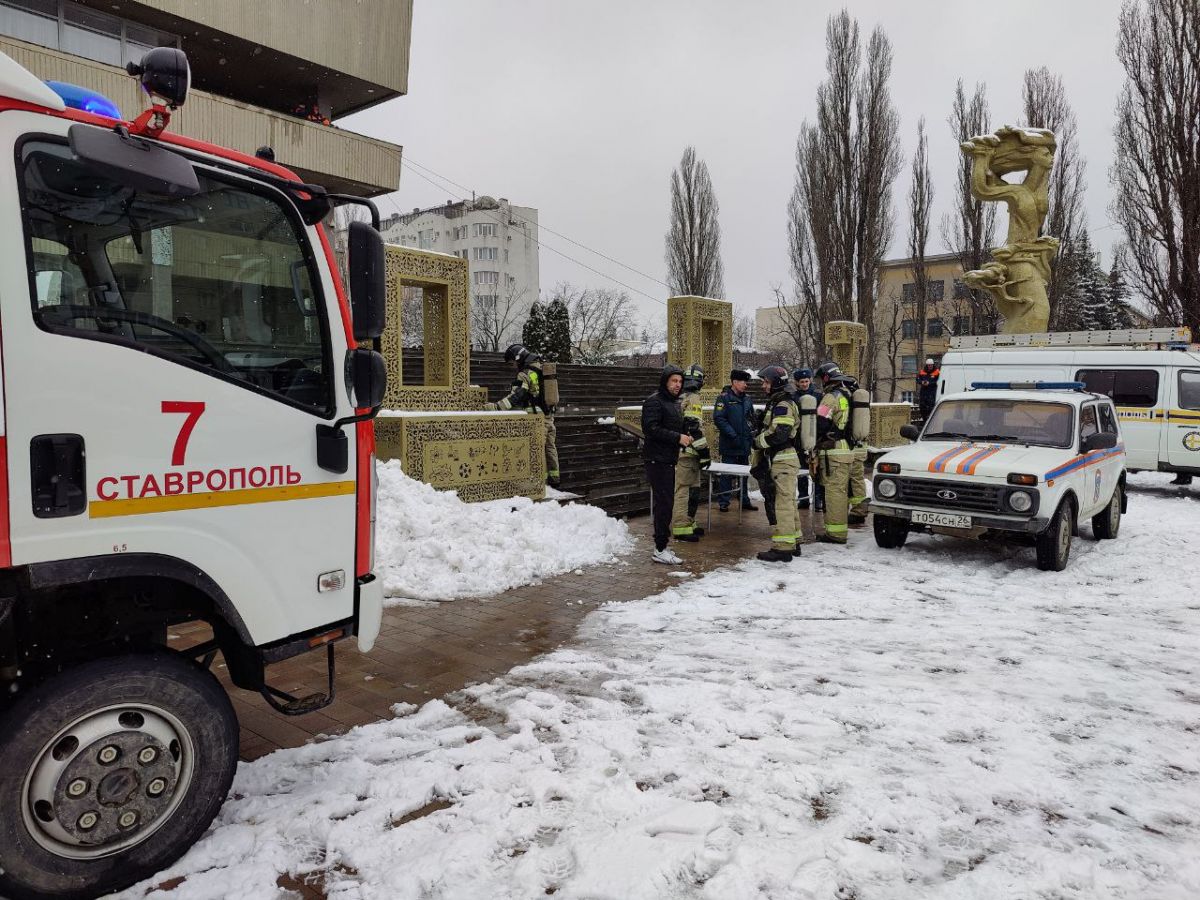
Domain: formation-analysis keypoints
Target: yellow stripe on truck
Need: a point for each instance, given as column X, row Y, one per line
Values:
column 103, row 509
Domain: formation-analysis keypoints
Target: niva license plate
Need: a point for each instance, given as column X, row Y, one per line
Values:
column 943, row 519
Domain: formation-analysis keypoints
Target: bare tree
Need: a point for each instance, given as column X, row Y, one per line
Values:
column 920, row 200
column 1046, row 106
column 1156, row 172
column 743, row 330
column 840, row 215
column 694, row 237
column 496, row 317
column 971, row 229
column 797, row 323
column 600, row 319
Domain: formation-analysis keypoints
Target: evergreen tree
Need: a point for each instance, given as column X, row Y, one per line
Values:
column 1070, row 313
column 558, row 332
column 1118, row 298
column 533, row 335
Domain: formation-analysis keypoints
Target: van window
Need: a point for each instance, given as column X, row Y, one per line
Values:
column 1126, row 387
column 1108, row 422
column 1189, row 390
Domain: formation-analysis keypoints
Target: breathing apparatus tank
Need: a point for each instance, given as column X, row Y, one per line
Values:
column 550, row 384
column 860, row 415
column 808, row 423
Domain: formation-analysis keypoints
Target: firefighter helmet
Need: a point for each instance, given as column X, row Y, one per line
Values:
column 774, row 377
column 693, row 378
column 516, row 353
column 827, row 370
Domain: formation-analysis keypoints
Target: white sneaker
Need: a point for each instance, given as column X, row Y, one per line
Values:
column 667, row 557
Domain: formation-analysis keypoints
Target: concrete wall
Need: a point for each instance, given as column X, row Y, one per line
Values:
column 368, row 39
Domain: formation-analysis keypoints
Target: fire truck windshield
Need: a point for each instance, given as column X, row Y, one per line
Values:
column 224, row 280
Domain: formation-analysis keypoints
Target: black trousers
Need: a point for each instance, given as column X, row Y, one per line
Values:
column 662, row 489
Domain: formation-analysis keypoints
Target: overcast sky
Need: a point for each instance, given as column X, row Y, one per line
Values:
column 582, row 108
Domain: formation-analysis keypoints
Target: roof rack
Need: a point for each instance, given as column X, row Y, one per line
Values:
column 1121, row 337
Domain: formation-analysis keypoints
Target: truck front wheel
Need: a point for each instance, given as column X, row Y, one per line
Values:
column 109, row 772
column 1054, row 544
column 890, row 533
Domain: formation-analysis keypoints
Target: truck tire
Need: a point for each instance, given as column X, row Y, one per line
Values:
column 108, row 772
column 1107, row 522
column 890, row 532
column 1054, row 544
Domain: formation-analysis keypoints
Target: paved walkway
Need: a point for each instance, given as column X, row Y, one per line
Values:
column 427, row 651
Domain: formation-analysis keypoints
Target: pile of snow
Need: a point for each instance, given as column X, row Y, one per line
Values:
column 606, row 420
column 430, row 545
column 935, row 723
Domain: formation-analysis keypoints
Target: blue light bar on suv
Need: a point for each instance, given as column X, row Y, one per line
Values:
column 1027, row 385
column 78, row 97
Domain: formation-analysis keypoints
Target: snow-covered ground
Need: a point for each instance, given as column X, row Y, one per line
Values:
column 939, row 722
column 429, row 545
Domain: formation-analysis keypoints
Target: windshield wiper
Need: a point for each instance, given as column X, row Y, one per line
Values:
column 944, row 434
column 999, row 437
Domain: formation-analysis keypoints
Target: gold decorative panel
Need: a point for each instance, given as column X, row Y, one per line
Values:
column 886, row 421
column 700, row 330
column 847, row 340
column 481, row 457
column 447, row 325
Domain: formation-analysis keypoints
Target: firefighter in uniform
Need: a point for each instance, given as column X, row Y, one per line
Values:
column 857, row 487
column 528, row 392
column 776, row 445
column 692, row 458
column 835, row 451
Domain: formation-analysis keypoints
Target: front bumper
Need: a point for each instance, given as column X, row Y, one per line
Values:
column 1020, row 525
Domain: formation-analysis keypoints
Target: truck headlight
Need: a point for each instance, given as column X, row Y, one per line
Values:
column 886, row 488
column 1021, row 501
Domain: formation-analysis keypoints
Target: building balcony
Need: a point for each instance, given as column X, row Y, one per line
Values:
column 340, row 160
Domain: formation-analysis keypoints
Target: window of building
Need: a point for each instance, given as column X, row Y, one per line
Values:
column 488, row 253
column 908, row 365
column 907, row 396
column 459, row 232
column 1189, row 390
column 506, row 255
column 71, row 28
column 909, row 292
column 487, row 277
column 962, row 324
column 908, row 330
column 937, row 290
column 1126, row 387
column 427, row 238
column 961, row 291
column 483, row 229
column 936, row 328
column 487, row 302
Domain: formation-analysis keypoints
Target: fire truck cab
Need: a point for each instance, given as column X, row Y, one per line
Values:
column 185, row 435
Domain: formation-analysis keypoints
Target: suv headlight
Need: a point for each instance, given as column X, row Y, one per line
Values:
column 886, row 488
column 1021, row 501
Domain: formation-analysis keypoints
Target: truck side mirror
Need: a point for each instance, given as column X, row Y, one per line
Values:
column 368, row 301
column 910, row 432
column 1101, row 440
column 368, row 374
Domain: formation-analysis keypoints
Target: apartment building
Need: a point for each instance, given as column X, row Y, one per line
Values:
column 498, row 240
column 275, row 73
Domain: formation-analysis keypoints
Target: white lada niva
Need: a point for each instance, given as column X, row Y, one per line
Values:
column 1030, row 460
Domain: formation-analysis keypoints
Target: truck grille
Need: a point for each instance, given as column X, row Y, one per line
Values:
column 973, row 497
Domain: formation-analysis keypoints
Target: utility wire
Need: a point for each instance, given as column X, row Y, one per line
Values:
column 540, row 243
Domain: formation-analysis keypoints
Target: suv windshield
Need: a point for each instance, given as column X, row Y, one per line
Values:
column 222, row 280
column 1003, row 421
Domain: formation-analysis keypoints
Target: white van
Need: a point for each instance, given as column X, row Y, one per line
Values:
column 1156, row 391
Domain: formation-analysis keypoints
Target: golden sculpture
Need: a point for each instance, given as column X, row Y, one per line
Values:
column 1017, row 278
column 700, row 331
column 847, row 340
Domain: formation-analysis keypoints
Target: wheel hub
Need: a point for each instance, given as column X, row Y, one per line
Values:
column 107, row 781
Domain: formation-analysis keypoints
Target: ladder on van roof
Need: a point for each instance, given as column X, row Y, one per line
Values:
column 1121, row 337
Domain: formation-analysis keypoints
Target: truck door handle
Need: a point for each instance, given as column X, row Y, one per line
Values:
column 58, row 472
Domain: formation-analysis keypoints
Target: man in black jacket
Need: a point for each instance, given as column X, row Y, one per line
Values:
column 663, row 433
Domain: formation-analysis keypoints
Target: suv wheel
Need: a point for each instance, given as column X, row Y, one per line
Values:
column 890, row 532
column 1107, row 522
column 1054, row 544
column 109, row 772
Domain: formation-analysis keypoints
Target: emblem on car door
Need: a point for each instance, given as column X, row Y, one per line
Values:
column 947, row 495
